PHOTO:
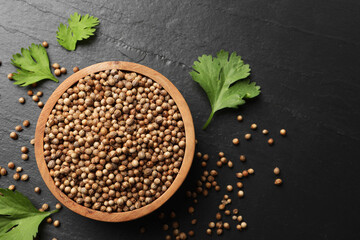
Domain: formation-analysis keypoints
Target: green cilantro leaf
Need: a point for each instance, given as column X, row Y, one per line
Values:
column 19, row 219
column 33, row 66
column 224, row 81
column 80, row 28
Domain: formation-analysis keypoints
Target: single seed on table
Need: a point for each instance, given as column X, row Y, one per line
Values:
column 35, row 98
column 245, row 173
column 219, row 163
column 24, row 149
column 54, row 239
column 283, row 132
column 56, row 66
column 182, row 236
column 30, row 93
column 37, row 190
column 24, row 156
column 75, row 69
column 253, row 126
column 219, row 231
column 223, row 160
column 238, row 227
column 26, row 123
column 243, row 225
column 278, row 181
column 191, row 210
column 41, row 210
column 235, row 211
column 218, row 216
column 24, row 177
column 221, row 154
column 226, row 225
column 172, row 214
column 58, row 206
column 239, row 184
column 191, row 233
column 34, row 84
column 12, row 187
column 203, row 164
column 63, row 70
column 234, row 217
column 11, row 165
column 230, row 164
column 142, row 230
column 13, row 135
column 276, row 171
column 18, row 128
column 168, row 237
column 22, row 100
column 205, row 157
column 239, row 175
column 239, row 218
column 39, row 94
column 217, row 188
column 271, row 141
column 211, row 224
column 194, row 221
column 242, row 158
column 10, row 76
column 248, row 136
column 19, row 169
column 227, row 212
column 40, row 104
column 240, row 193
column 229, row 188
column 198, row 154
column 16, row 176
column 45, row 206
column 239, row 118
column 3, row 172
column 49, row 220
column 221, row 206
column 208, row 231
column 235, row 141
column 265, row 132
column 165, row 227
column 32, row 141
column 251, row 171
column 45, row 44
column 57, row 72
column 56, row 223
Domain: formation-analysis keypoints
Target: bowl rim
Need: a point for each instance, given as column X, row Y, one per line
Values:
column 185, row 166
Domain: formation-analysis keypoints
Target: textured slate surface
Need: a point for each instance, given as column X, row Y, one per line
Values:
column 304, row 55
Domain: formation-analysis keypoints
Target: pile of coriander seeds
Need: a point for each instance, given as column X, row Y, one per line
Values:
column 114, row 141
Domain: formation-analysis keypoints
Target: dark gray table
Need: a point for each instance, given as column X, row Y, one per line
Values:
column 304, row 55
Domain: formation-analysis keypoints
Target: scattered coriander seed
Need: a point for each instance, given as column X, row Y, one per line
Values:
column 41, row 210
column 172, row 214
column 208, row 231
column 57, row 72
column 12, row 187
column 221, row 154
column 245, row 173
column 37, row 189
column 40, row 104
column 239, row 184
column 265, row 132
column 34, row 84
column 221, row 206
column 235, row 211
column 271, row 141
column 18, row 128
column 35, row 98
column 168, row 237
column 230, row 164
column 58, row 206
column 227, row 212
column 191, row 233
column 234, row 217
column 239, row 218
column 239, row 118
column 14, row 135
column 242, row 158
column 182, row 236
column 45, row 206
column 24, row 177
column 19, row 169
column 32, row 141
column 22, row 100
column 194, row 221
column 219, row 163
column 253, row 126
column 205, row 157
column 30, row 93
column 165, row 227
column 218, row 216
column 198, row 154
column 56, row 66
column 191, row 210
column 238, row 227
column 49, row 220
column 63, row 70
column 235, row 141
column 229, row 188
column 243, row 225
column 11, row 165
column 45, row 44
column 239, row 175
column 278, row 181
column 24, row 149
column 251, row 171
column 226, row 225
column 24, row 156
column 142, row 230
column 240, row 193
column 283, row 132
column 211, row 224
column 276, row 171
column 219, row 231
column 3, row 171
column 217, row 188
column 16, row 176
column 75, row 69
column 10, row 76
column 248, row 136
column 56, row 223
column 39, row 94
column 26, row 123
column 203, row 164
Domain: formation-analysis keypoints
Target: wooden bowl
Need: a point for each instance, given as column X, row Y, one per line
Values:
column 184, row 169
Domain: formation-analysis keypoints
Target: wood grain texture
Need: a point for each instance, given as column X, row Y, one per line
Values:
column 189, row 150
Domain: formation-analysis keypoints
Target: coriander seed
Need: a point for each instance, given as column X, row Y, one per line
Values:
column 16, row 176
column 26, row 123
column 239, row 118
column 45, row 206
column 242, row 158
column 10, row 76
column 63, row 70
column 24, row 149
column 239, row 184
column 24, row 177
column 278, row 181
column 49, row 220
column 22, row 100
column 235, row 141
column 58, row 206
column 30, row 93
column 39, row 94
column 245, row 173
column 251, row 171
column 57, row 72
column 45, row 44
column 40, row 104
column 18, row 128
column 282, row 132
column 37, row 189
column 19, row 169
column 211, row 224
column 219, row 231
column 243, row 225
column 14, row 135
column 253, row 126
column 208, row 231
column 56, row 223
column 191, row 210
column 265, row 132
column 24, row 156
column 11, row 165
column 271, row 141
column 75, row 69
column 56, row 66
column 240, row 193
column 276, row 171
column 248, row 136
column 229, row 188
column 3, row 172
column 12, row 187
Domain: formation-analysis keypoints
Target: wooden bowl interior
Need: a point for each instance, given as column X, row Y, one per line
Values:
column 184, row 169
